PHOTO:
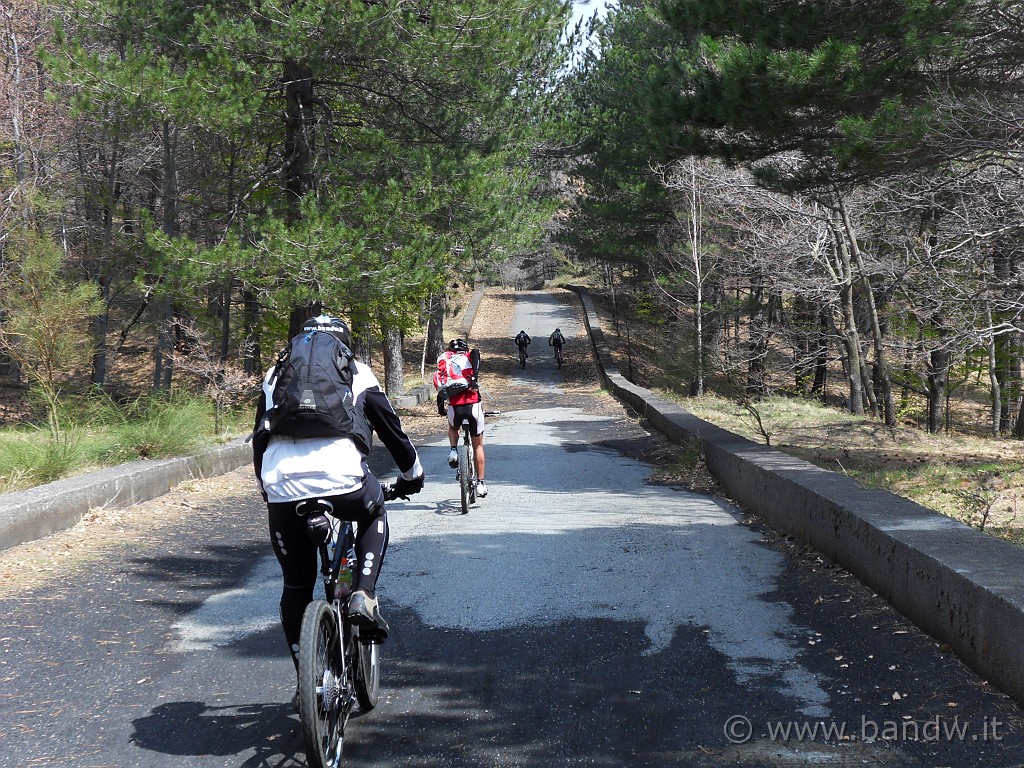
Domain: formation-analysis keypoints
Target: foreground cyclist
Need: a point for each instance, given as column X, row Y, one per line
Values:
column 290, row 469
column 457, row 370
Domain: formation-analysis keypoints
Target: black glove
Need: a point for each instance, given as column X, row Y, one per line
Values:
column 405, row 488
column 442, row 403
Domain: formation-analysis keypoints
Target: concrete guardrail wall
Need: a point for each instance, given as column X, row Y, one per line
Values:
column 961, row 586
column 40, row 511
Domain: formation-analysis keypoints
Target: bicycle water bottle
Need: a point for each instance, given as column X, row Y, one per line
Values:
column 345, row 569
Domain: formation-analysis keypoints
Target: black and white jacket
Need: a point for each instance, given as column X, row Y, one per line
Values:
column 291, row 469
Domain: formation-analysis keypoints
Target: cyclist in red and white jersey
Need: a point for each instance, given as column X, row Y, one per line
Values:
column 456, row 372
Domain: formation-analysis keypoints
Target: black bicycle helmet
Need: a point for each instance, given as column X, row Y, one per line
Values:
column 337, row 327
column 458, row 345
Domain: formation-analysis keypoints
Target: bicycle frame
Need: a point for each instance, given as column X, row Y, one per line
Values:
column 467, row 468
column 337, row 668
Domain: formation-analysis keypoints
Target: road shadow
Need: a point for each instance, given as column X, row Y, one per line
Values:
column 194, row 728
column 566, row 694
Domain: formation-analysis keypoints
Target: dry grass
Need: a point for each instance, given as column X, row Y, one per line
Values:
column 976, row 479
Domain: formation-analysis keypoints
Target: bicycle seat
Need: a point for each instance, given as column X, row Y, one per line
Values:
column 313, row 506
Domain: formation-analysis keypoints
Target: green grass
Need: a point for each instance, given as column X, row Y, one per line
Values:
column 100, row 433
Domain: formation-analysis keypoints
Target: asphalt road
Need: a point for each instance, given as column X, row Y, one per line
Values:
column 580, row 615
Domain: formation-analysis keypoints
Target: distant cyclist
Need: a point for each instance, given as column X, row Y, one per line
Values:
column 523, row 341
column 457, row 370
column 556, row 340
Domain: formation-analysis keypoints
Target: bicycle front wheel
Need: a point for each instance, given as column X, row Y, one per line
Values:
column 465, row 477
column 367, row 673
column 322, row 690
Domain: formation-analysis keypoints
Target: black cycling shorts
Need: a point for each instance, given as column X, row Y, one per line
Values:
column 473, row 412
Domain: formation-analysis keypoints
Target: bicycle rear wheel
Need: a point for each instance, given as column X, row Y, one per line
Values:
column 366, row 666
column 322, row 689
column 472, row 469
column 465, row 477
column 467, row 446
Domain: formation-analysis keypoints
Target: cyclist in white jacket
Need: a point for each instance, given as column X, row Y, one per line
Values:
column 292, row 469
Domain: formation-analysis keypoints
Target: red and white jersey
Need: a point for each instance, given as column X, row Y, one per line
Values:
column 453, row 367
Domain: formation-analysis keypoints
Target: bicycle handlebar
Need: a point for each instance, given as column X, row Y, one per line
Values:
column 391, row 492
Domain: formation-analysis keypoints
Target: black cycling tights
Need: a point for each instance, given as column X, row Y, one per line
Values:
column 297, row 554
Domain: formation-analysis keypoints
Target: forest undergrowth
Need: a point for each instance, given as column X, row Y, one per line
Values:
column 964, row 473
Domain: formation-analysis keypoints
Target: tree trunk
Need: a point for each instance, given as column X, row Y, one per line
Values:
column 251, row 347
column 101, row 270
column 756, row 388
column 298, row 179
column 225, row 320
column 362, row 346
column 163, row 369
column 1008, row 374
column 995, row 386
column 17, row 89
column 849, row 336
column 1018, row 428
column 888, row 402
column 696, row 254
column 298, row 316
column 394, row 376
column 714, row 322
column 1012, row 394
column 804, row 328
column 437, row 308
column 1000, row 345
column 100, row 325
column 938, row 381
column 610, row 282
column 821, row 359
column 433, row 340
column 697, row 386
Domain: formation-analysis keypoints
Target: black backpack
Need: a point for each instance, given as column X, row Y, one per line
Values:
column 313, row 393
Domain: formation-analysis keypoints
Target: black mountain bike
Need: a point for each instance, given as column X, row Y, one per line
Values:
column 466, row 474
column 522, row 356
column 558, row 354
column 339, row 664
